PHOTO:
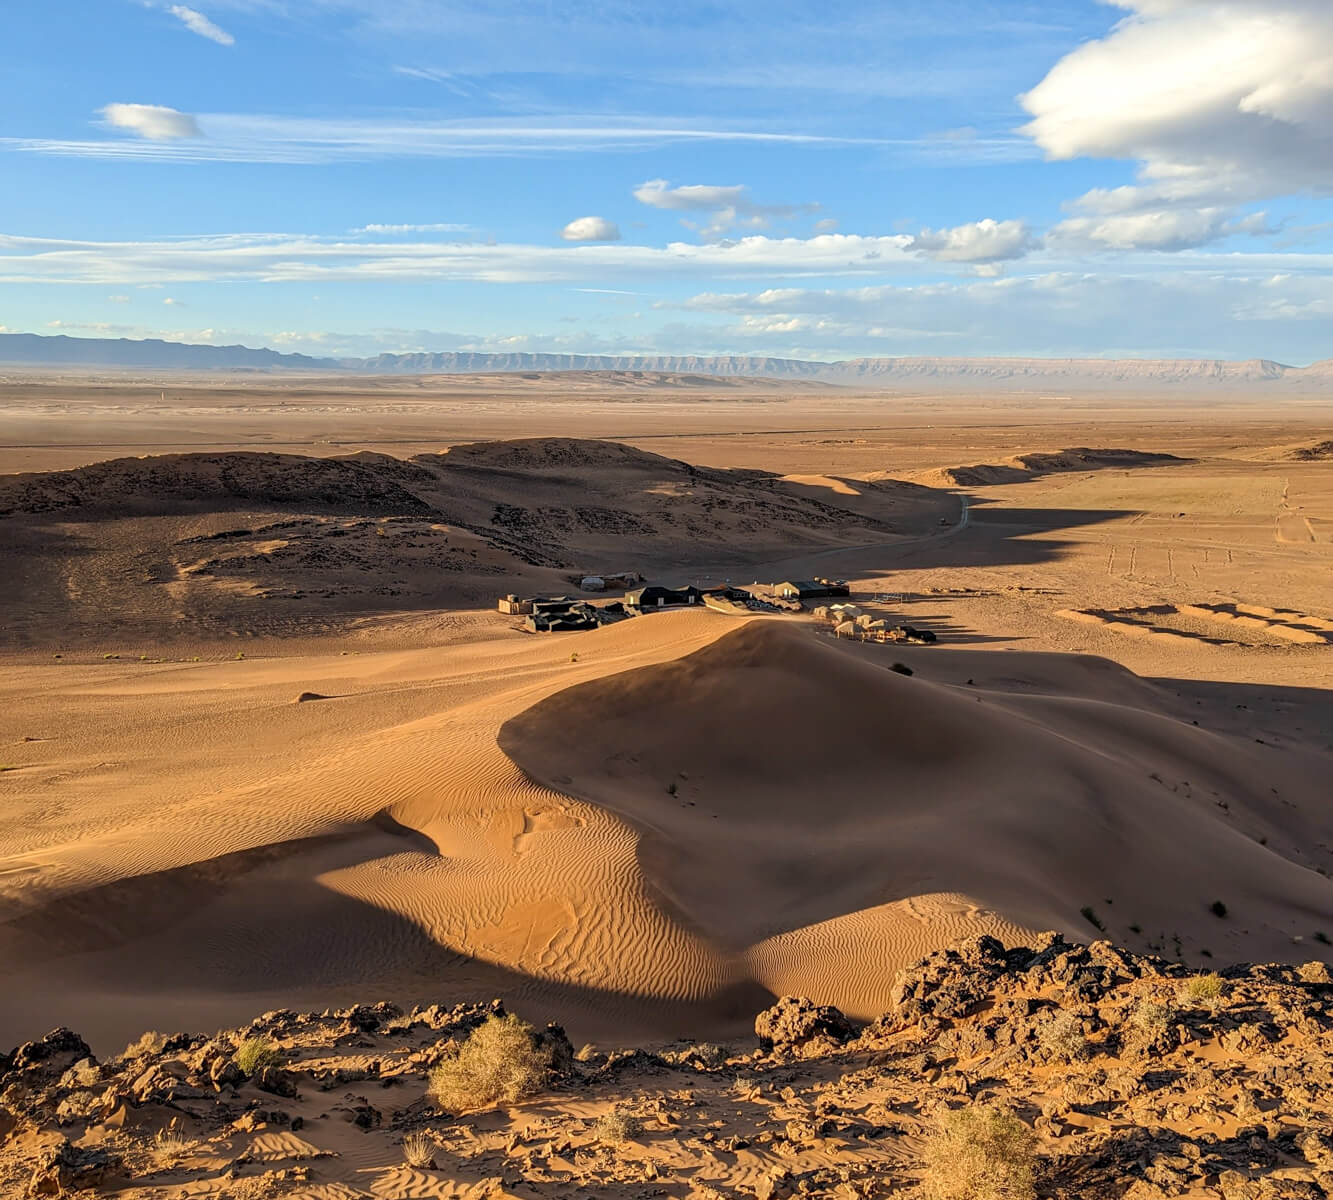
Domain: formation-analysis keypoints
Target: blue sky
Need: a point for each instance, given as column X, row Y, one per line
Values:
column 1139, row 178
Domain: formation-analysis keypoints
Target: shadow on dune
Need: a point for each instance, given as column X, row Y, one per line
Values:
column 216, row 942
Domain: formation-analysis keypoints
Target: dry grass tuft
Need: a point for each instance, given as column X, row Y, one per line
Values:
column 151, row 1042
column 617, row 1126
column 256, row 1053
column 419, row 1150
column 1204, row 990
column 500, row 1063
column 170, row 1145
column 979, row 1153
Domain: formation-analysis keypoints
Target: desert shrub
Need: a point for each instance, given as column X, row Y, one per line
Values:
column 256, row 1053
column 1090, row 915
column 500, row 1061
column 1148, row 1020
column 1062, row 1037
column 1217, row 908
column 419, row 1150
column 979, row 1153
column 151, row 1042
column 1205, row 990
column 617, row 1126
column 902, row 669
column 586, row 1053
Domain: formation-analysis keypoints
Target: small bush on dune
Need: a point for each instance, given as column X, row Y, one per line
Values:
column 500, row 1062
column 979, row 1153
column 256, row 1053
column 419, row 1150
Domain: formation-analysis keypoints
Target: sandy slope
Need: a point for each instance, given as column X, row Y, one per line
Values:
column 214, row 848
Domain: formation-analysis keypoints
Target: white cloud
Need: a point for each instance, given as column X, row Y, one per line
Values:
column 826, row 225
column 172, row 301
column 438, row 227
column 1209, row 315
column 152, row 121
column 247, row 137
column 730, row 205
column 274, row 257
column 591, row 229
column 1155, row 229
column 1221, row 101
column 658, row 193
column 986, row 241
column 119, row 299
column 196, row 22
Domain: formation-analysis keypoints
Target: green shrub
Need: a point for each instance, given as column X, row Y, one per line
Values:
column 500, row 1062
column 256, row 1053
column 1090, row 915
column 979, row 1153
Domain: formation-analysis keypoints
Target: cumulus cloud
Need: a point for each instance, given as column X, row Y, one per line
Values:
column 591, row 229
column 1220, row 101
column 986, row 241
column 730, row 205
column 155, row 122
column 196, row 22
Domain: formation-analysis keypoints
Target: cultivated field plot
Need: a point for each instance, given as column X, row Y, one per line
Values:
column 1220, row 624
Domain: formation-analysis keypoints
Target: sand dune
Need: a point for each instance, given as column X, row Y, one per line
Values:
column 694, row 815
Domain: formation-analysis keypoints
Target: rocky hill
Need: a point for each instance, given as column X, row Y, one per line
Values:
column 1047, row 1070
column 186, row 544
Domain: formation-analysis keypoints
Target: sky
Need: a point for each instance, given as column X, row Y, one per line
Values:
column 1069, row 178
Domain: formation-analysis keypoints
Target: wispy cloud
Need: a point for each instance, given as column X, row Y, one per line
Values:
column 196, row 22
column 436, row 227
column 286, row 257
column 232, row 137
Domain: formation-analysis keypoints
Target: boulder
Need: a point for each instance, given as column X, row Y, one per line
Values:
column 795, row 1023
column 65, row 1167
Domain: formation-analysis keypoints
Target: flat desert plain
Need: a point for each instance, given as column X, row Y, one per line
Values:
column 267, row 744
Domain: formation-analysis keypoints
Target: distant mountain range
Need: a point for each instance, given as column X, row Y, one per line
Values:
column 34, row 350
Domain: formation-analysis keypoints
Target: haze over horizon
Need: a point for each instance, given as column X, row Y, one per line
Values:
column 1135, row 179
